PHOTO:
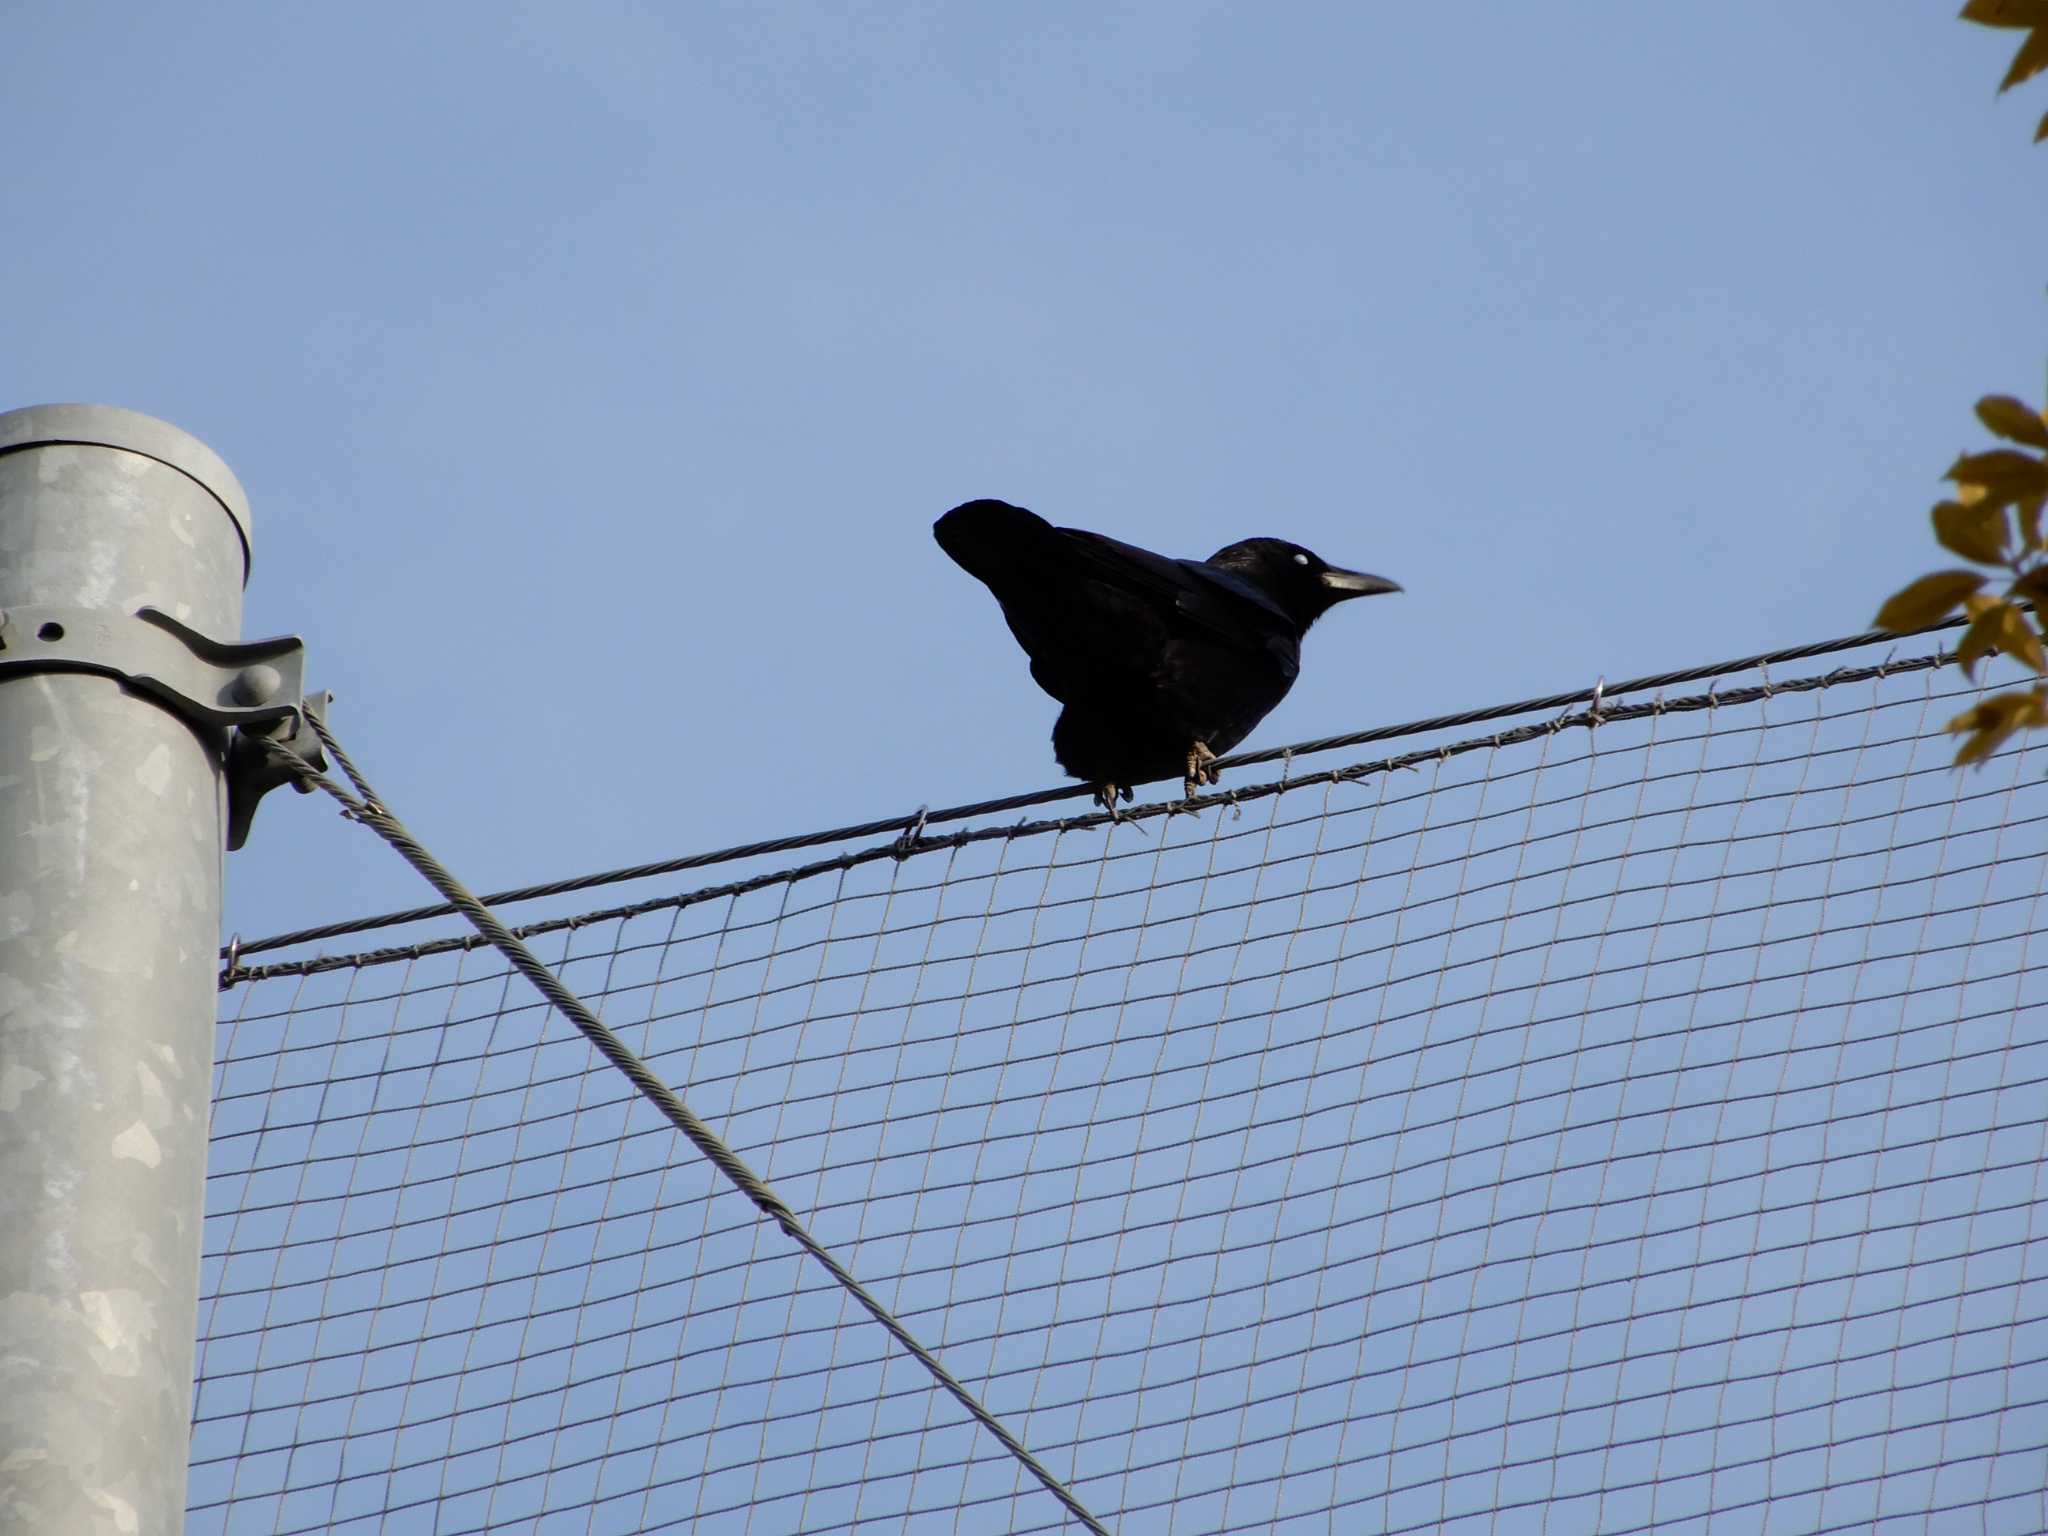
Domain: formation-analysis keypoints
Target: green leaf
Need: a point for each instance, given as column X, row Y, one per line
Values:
column 2013, row 419
column 1976, row 533
column 2029, row 61
column 1924, row 601
column 2006, row 13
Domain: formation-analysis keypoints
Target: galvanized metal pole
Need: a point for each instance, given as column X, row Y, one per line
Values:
column 111, row 828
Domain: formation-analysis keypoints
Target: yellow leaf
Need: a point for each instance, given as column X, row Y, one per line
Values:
column 2030, row 522
column 2030, row 60
column 1996, row 498
column 2014, row 419
column 1975, row 533
column 1981, row 746
column 2019, row 640
column 1986, row 714
column 1998, row 477
column 2032, row 588
column 1992, row 720
column 1996, row 468
column 1977, row 602
column 1980, row 638
column 2006, row 13
column 2000, row 627
column 1924, row 601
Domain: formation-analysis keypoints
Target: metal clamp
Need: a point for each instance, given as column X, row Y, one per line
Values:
column 255, row 685
column 254, row 770
column 206, row 680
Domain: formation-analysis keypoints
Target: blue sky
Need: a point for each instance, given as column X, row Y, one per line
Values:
column 596, row 376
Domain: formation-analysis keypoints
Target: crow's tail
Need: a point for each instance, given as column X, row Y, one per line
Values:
column 992, row 540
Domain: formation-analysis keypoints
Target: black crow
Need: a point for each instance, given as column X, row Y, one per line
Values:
column 1163, row 665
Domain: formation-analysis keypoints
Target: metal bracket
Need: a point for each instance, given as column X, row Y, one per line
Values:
column 254, row 770
column 256, row 685
column 206, row 680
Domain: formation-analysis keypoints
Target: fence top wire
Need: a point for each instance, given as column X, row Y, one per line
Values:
column 912, row 827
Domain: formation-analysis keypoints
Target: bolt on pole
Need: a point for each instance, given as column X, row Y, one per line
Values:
column 112, row 812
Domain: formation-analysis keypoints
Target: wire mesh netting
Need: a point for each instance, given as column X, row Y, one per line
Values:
column 1624, row 1128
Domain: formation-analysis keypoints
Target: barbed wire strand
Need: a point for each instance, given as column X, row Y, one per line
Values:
column 912, row 823
column 366, row 807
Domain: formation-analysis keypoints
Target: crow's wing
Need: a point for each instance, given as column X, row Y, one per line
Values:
column 1100, row 618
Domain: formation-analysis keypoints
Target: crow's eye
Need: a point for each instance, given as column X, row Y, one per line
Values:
column 1301, row 559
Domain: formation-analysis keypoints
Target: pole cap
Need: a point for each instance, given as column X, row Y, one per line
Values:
column 113, row 426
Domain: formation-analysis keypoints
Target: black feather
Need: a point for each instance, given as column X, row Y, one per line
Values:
column 1149, row 654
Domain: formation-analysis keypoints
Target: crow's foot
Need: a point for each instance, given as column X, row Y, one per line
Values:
column 1199, row 772
column 1106, row 795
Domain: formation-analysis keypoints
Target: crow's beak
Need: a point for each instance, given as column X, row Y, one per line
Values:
column 1356, row 584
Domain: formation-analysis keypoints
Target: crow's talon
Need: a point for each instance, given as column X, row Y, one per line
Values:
column 1198, row 770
